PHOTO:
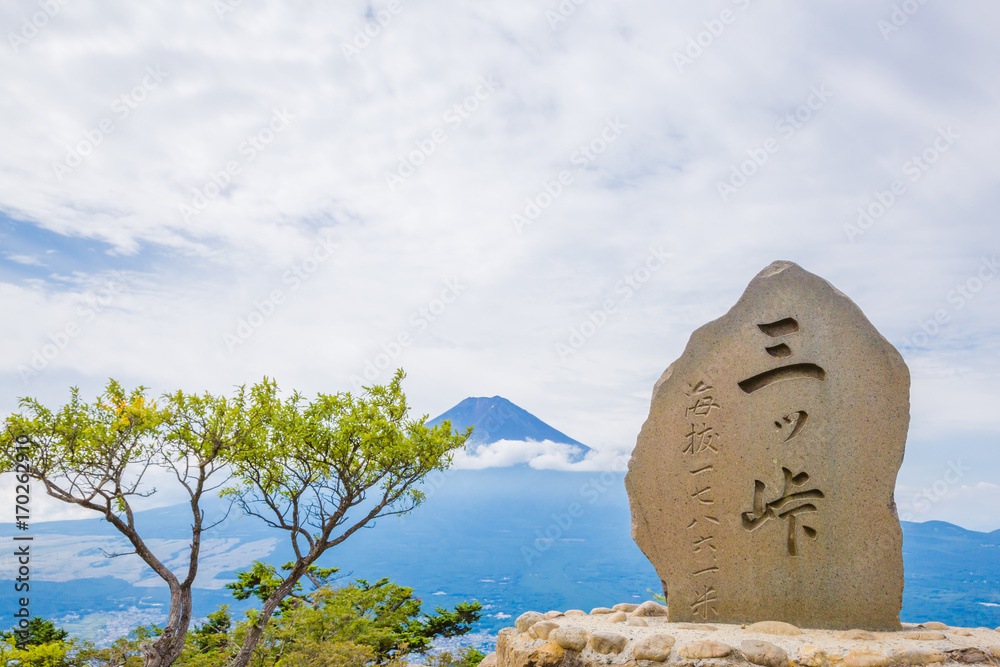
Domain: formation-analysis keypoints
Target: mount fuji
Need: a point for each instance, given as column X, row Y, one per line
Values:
column 495, row 419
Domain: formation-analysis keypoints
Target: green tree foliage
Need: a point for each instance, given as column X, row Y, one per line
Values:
column 467, row 657
column 319, row 470
column 382, row 615
column 213, row 635
column 261, row 580
column 324, row 469
column 98, row 456
column 38, row 631
column 42, row 644
column 363, row 623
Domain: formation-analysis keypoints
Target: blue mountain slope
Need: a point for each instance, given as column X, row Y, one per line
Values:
column 952, row 573
column 497, row 418
column 504, row 536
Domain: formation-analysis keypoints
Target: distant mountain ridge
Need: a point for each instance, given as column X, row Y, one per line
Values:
column 496, row 418
column 476, row 537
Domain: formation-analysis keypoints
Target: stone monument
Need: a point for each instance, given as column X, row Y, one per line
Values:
column 761, row 485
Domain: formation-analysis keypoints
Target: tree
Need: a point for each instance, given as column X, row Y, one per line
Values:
column 383, row 616
column 261, row 580
column 361, row 623
column 299, row 466
column 326, row 468
column 41, row 644
column 467, row 657
column 98, row 456
column 214, row 633
column 37, row 631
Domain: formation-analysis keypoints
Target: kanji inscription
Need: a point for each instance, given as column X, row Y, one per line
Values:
column 761, row 485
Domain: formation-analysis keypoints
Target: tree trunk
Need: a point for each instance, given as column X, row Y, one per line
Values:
column 169, row 645
column 255, row 631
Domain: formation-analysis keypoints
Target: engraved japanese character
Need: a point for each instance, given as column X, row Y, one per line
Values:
column 701, row 439
column 703, row 401
column 778, row 329
column 797, row 420
column 763, row 512
column 700, row 496
column 704, row 604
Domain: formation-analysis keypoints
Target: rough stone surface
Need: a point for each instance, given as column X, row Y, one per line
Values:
column 519, row 650
column 568, row 644
column 925, row 636
column 811, row 656
column 774, row 628
column 865, row 659
column 697, row 626
column 777, row 435
column 607, row 642
column 542, row 629
column 969, row 656
column 655, row 648
column 764, row 653
column 626, row 607
column 917, row 656
column 570, row 637
column 489, row 661
column 650, row 608
column 704, row 649
column 636, row 622
column 616, row 617
column 526, row 620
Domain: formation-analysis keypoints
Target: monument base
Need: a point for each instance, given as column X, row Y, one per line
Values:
column 641, row 636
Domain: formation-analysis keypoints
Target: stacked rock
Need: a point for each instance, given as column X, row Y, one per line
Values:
column 640, row 636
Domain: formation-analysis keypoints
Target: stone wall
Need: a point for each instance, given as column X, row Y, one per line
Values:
column 641, row 636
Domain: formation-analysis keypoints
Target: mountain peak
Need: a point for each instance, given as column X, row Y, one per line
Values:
column 495, row 418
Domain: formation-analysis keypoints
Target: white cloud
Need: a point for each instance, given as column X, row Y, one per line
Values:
column 72, row 557
column 544, row 455
column 972, row 506
column 27, row 260
column 210, row 85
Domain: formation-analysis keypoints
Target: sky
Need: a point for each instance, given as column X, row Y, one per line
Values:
column 534, row 200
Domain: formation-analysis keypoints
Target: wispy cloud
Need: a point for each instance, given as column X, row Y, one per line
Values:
column 535, row 92
column 28, row 260
column 544, row 455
